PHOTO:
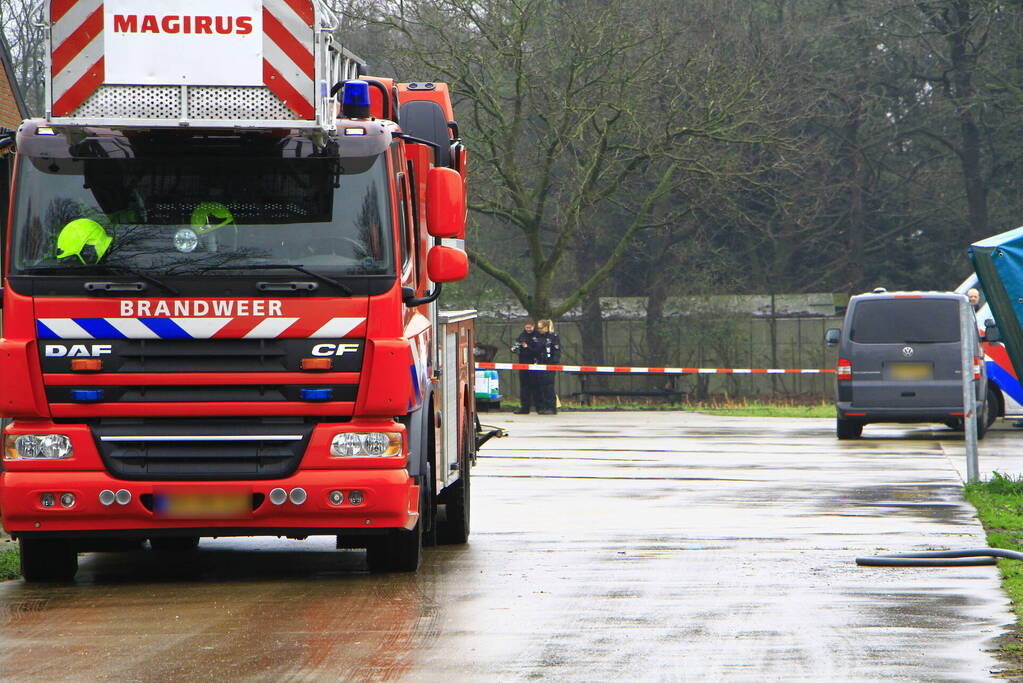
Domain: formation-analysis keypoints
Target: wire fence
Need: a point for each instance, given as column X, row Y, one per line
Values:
column 706, row 341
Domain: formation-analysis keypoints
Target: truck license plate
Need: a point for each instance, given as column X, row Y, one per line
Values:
column 911, row 371
column 202, row 503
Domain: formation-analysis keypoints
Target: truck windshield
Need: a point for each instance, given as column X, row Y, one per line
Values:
column 199, row 211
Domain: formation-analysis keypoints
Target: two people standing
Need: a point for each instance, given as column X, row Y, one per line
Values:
column 538, row 345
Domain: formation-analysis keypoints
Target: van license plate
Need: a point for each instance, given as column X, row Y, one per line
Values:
column 911, row 371
column 204, row 504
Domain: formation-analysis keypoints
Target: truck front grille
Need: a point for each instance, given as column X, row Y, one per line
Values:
column 148, row 393
column 210, row 450
column 199, row 355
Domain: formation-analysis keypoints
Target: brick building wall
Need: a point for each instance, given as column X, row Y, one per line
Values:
column 10, row 115
column 12, row 106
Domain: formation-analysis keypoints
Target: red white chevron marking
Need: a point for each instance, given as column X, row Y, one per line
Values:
column 289, row 69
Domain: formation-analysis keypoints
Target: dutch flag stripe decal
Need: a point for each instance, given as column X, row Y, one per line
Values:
column 165, row 328
column 201, row 328
column 65, row 328
column 99, row 328
column 270, row 328
column 44, row 332
column 132, row 328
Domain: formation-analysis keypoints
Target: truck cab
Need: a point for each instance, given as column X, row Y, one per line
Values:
column 220, row 298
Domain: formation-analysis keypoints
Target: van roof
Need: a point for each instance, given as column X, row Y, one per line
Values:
column 908, row 295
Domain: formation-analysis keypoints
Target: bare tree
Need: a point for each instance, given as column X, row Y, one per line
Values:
column 23, row 28
column 571, row 118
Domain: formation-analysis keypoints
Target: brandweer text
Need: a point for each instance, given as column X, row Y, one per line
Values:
column 199, row 309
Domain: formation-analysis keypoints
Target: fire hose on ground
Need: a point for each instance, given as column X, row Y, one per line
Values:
column 941, row 558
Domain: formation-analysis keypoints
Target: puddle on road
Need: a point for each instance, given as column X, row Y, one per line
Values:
column 929, row 501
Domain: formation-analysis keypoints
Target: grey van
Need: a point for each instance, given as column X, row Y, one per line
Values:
column 899, row 361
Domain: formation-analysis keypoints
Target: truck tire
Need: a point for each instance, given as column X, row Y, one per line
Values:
column 428, row 508
column 398, row 551
column 47, row 560
column 420, row 426
column 455, row 528
column 848, row 429
column 174, row 544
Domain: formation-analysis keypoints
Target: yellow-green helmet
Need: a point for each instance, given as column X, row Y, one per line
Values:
column 80, row 233
column 201, row 222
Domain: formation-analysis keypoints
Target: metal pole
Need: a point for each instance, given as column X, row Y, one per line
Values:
column 967, row 331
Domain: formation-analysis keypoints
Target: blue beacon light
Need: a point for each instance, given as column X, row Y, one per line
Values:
column 86, row 395
column 316, row 394
column 355, row 100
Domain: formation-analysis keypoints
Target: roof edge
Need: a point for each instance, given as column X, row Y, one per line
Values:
column 5, row 58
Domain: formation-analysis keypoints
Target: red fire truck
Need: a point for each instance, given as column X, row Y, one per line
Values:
column 222, row 263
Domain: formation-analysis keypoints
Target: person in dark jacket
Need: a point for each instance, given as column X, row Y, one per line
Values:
column 525, row 346
column 547, row 351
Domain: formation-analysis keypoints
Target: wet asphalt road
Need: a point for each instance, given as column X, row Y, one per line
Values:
column 635, row 546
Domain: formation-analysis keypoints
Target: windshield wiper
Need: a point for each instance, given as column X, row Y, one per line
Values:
column 280, row 266
column 92, row 270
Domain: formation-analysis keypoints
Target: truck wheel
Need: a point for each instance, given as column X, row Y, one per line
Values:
column 47, row 560
column 455, row 528
column 398, row 551
column 428, row 509
column 847, row 429
column 174, row 544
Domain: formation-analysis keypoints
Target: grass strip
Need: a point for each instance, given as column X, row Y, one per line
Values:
column 726, row 408
column 10, row 566
column 770, row 410
column 999, row 503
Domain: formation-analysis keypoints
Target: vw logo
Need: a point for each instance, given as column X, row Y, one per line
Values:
column 907, row 351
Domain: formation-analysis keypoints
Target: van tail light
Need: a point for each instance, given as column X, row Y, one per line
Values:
column 844, row 369
column 976, row 367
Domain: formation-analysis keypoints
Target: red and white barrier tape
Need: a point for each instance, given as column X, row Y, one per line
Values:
column 655, row 371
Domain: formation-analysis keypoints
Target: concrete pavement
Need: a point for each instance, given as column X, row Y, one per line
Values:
column 636, row 546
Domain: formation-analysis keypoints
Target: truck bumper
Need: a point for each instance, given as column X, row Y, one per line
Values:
column 390, row 499
column 866, row 415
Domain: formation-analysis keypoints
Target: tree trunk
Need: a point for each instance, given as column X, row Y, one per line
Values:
column 591, row 325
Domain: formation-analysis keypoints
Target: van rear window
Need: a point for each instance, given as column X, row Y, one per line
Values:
column 902, row 321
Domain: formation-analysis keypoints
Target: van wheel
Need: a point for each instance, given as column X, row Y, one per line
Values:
column 848, row 429
column 983, row 421
column 992, row 405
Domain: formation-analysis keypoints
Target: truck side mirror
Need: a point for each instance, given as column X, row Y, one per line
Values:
column 446, row 264
column 833, row 336
column 445, row 204
column 991, row 332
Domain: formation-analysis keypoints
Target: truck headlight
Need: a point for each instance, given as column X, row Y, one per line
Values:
column 367, row 444
column 37, row 447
